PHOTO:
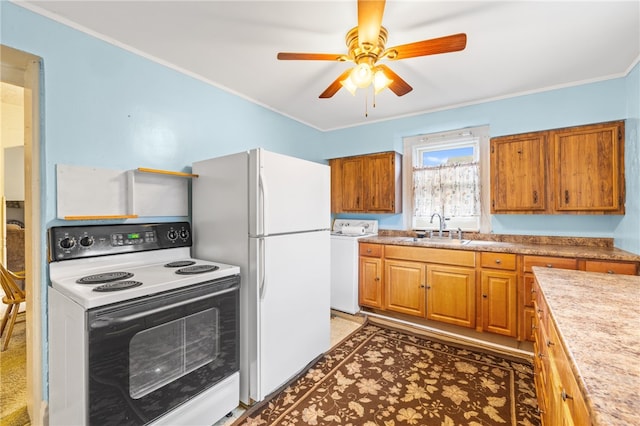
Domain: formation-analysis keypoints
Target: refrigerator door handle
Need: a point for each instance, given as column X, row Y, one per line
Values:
column 263, row 204
column 261, row 267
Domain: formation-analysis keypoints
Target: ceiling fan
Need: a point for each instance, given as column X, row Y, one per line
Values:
column 366, row 46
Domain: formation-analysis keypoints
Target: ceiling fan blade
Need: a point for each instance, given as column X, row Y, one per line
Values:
column 398, row 85
column 289, row 56
column 335, row 86
column 369, row 21
column 434, row 46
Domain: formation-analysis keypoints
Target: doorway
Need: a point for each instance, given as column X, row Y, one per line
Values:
column 22, row 73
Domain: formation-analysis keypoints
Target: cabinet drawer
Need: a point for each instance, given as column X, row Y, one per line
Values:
column 505, row 261
column 373, row 250
column 431, row 255
column 549, row 262
column 626, row 268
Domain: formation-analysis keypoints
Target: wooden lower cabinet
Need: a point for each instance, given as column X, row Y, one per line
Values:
column 498, row 293
column 370, row 281
column 405, row 287
column 560, row 400
column 498, row 302
column 451, row 295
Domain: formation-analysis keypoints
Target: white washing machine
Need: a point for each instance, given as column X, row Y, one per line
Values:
column 345, row 234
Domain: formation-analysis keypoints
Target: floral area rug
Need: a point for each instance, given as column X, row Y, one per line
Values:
column 387, row 377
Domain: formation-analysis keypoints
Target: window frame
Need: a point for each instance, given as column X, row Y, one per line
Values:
column 478, row 136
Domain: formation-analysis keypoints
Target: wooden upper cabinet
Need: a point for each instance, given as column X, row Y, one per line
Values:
column 575, row 170
column 518, row 171
column 367, row 183
column 589, row 168
column 352, row 184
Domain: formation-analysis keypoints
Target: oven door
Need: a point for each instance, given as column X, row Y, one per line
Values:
column 150, row 355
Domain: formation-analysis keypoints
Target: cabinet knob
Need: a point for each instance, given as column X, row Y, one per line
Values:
column 422, row 285
column 533, row 327
column 484, row 296
column 377, row 278
column 540, row 355
column 565, row 395
column 610, row 272
column 533, row 290
column 550, row 343
column 368, row 250
column 549, row 265
column 498, row 261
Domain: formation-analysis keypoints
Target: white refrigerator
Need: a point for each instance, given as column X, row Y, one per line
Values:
column 269, row 214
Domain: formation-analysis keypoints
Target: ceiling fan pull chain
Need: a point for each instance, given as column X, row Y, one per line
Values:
column 374, row 96
column 366, row 106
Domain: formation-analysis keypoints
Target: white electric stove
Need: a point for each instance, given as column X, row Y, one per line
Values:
column 140, row 333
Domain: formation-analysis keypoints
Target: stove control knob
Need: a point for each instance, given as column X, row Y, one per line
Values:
column 184, row 234
column 86, row 241
column 67, row 242
column 172, row 235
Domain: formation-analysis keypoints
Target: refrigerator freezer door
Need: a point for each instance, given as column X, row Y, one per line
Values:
column 287, row 194
column 292, row 280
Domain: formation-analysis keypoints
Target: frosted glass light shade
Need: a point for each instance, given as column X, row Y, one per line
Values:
column 380, row 81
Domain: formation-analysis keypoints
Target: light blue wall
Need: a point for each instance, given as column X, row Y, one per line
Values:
column 627, row 234
column 105, row 107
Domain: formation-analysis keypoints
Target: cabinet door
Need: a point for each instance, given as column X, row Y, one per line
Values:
column 352, row 184
column 380, row 182
column 518, row 170
column 336, row 185
column 499, row 302
column 405, row 287
column 451, row 295
column 588, row 168
column 370, row 282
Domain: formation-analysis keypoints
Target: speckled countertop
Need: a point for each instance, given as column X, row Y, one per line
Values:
column 598, row 320
column 567, row 247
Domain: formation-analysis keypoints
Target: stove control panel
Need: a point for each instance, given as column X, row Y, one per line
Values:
column 73, row 242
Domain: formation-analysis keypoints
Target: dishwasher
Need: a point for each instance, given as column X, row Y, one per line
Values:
column 345, row 234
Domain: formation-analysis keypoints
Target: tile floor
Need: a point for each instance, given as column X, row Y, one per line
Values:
column 341, row 326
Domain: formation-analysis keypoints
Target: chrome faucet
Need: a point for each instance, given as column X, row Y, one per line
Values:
column 442, row 226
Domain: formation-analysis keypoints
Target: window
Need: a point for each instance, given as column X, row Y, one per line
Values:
column 444, row 178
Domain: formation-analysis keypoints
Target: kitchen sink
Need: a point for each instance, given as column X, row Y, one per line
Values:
column 438, row 240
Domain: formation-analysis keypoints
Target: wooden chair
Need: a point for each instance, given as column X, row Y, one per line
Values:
column 14, row 296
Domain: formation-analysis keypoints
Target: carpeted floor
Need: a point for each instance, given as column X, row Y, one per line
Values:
column 13, row 388
column 383, row 376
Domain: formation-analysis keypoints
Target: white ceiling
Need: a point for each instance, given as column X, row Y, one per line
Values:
column 513, row 48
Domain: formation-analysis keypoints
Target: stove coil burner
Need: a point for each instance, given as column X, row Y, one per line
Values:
column 118, row 285
column 180, row 264
column 197, row 269
column 105, row 277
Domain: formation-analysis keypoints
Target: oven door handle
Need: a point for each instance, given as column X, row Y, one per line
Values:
column 108, row 321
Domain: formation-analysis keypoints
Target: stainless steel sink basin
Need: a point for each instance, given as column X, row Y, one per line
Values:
column 438, row 240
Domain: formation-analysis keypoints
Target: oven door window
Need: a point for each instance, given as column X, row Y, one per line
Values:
column 151, row 355
column 164, row 353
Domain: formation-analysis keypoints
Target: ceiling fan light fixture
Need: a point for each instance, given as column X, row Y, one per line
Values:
column 362, row 75
column 380, row 81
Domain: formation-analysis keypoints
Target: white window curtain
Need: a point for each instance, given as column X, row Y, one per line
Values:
column 452, row 190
